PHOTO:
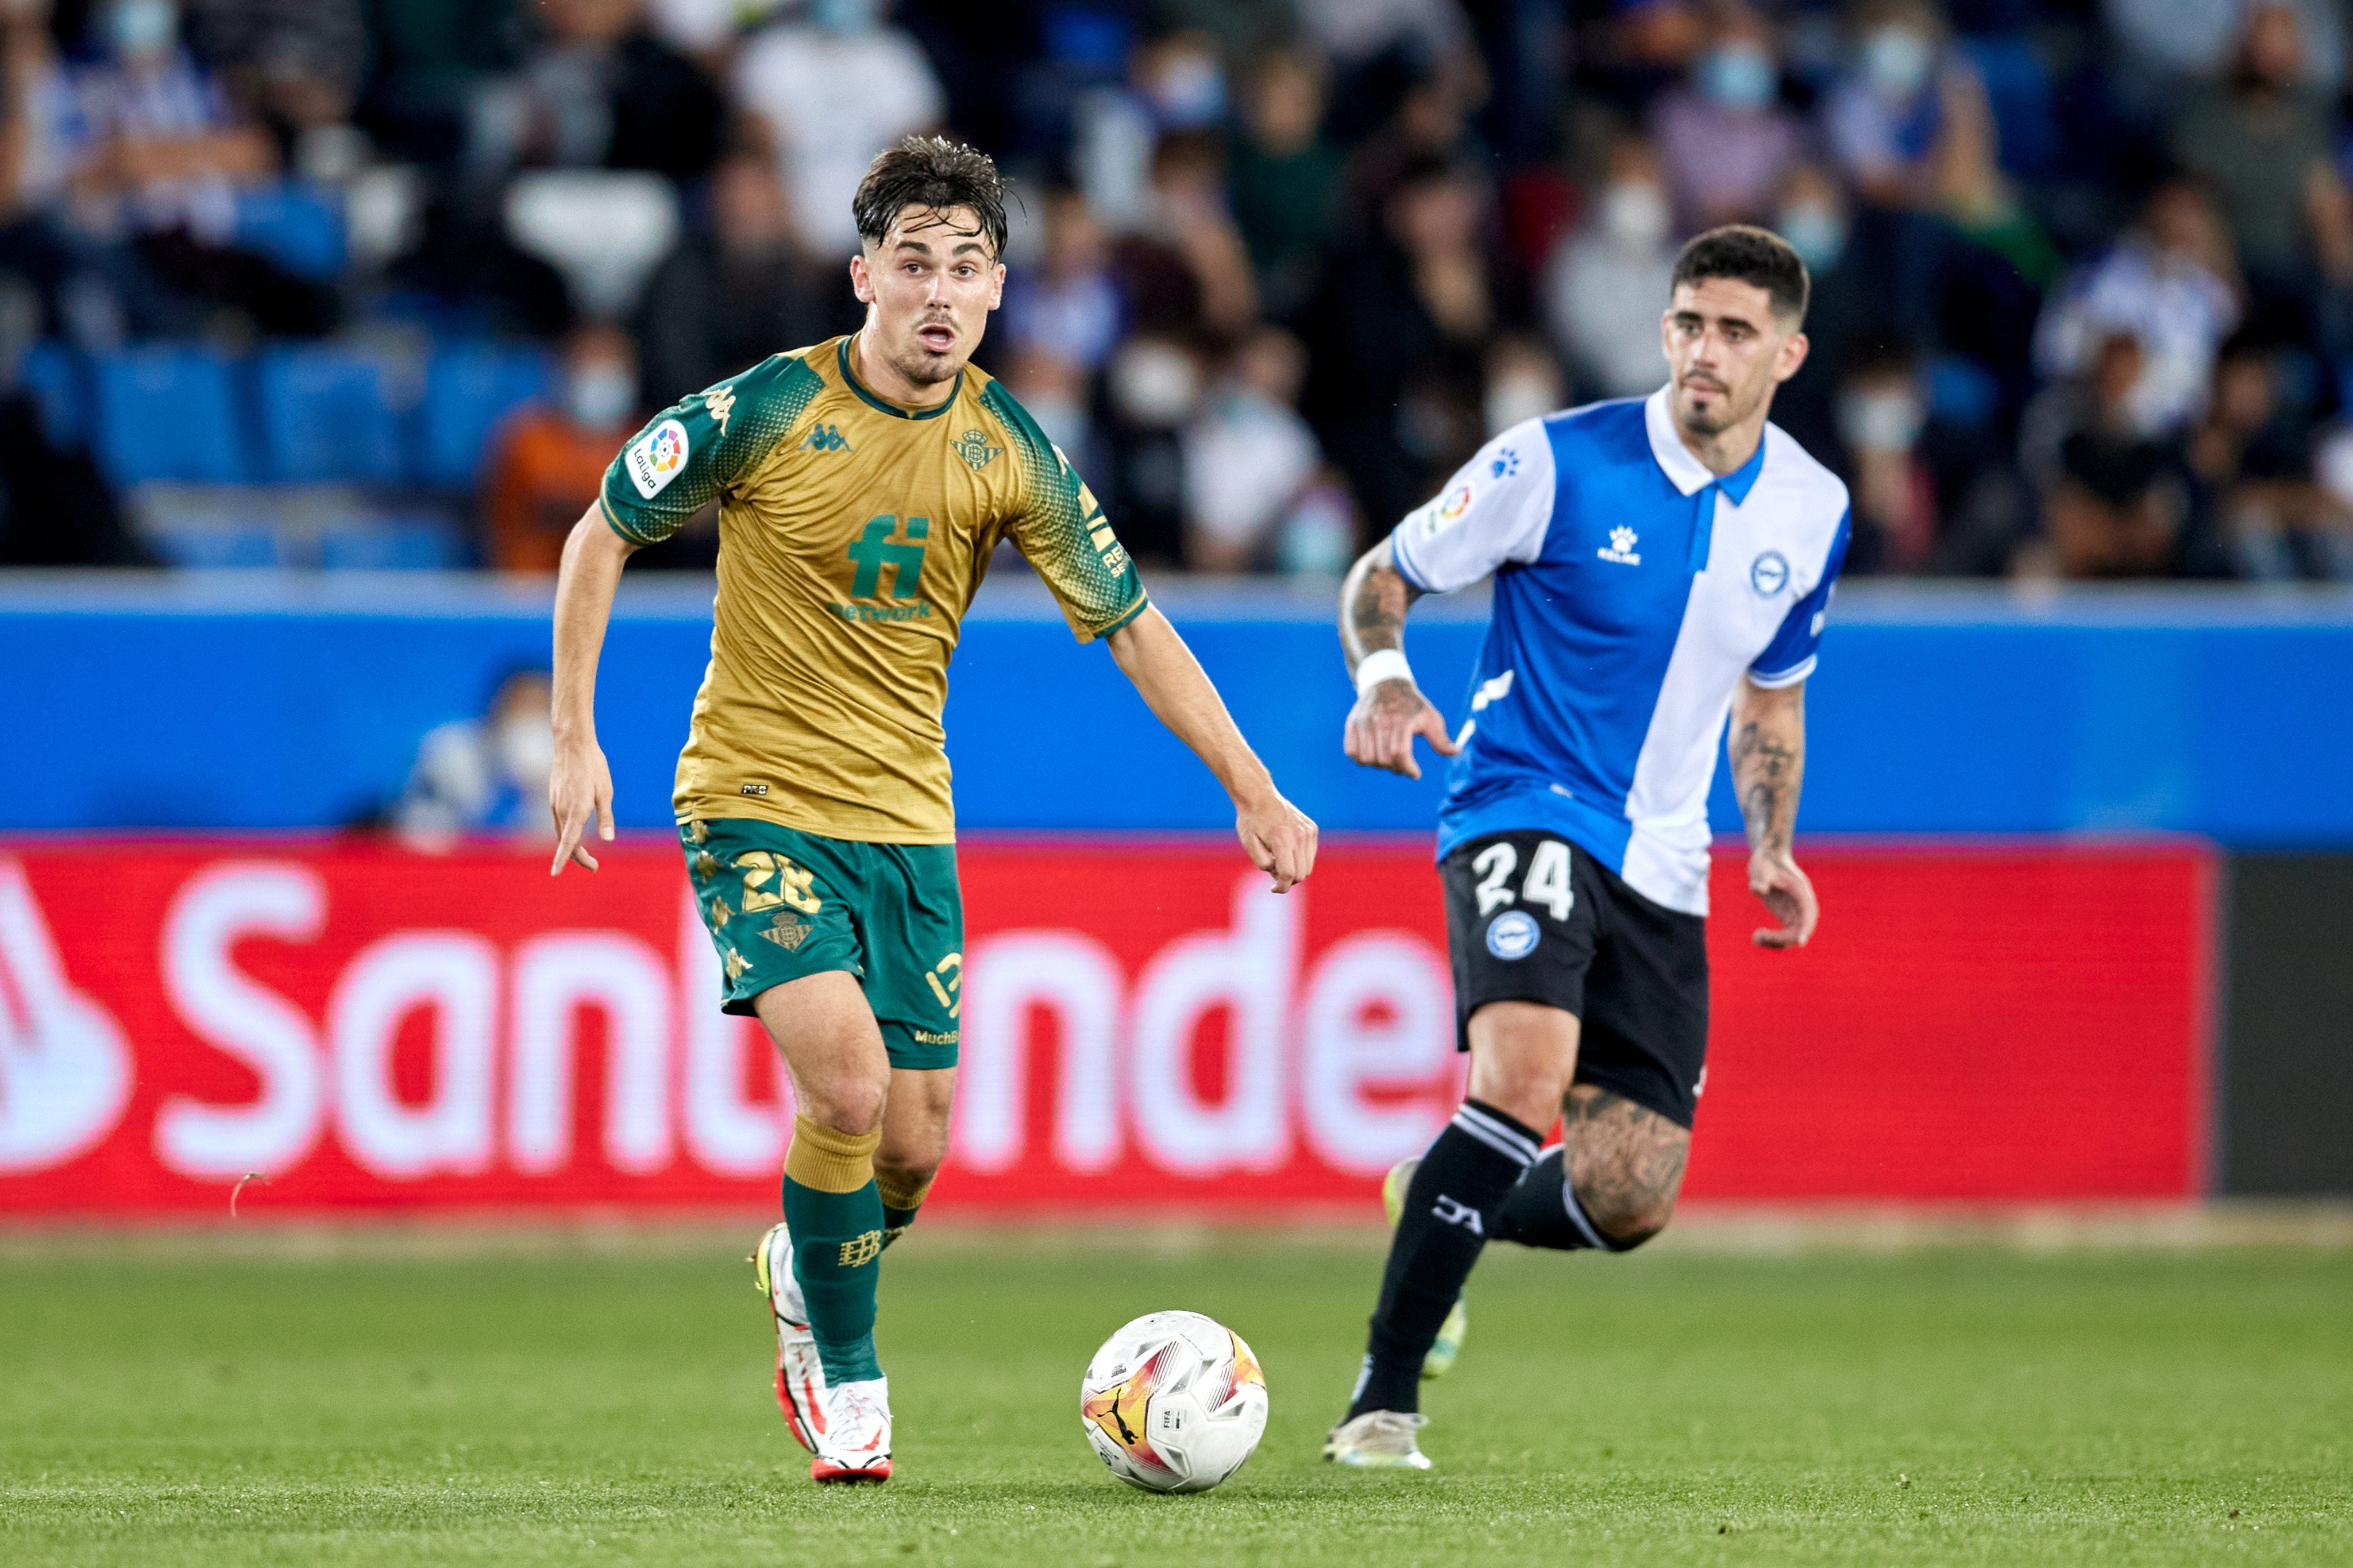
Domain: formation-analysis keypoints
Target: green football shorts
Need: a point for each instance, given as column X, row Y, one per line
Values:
column 781, row 904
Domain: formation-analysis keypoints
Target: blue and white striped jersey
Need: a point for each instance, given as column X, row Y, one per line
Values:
column 1633, row 588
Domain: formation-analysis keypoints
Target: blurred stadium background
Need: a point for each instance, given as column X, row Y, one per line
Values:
column 320, row 319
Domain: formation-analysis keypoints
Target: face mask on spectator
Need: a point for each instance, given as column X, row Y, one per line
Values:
column 1815, row 231
column 1896, row 60
column 142, row 27
column 599, row 394
column 1739, row 76
column 1634, row 214
column 845, row 15
column 1154, row 385
column 1189, row 92
column 526, row 747
column 1881, row 419
column 1517, row 396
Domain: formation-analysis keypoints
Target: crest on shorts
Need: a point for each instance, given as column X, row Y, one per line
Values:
column 788, row 931
column 974, row 449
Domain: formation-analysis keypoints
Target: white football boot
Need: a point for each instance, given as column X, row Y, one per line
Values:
column 854, row 1444
column 1449, row 1344
column 1379, row 1440
column 800, row 1374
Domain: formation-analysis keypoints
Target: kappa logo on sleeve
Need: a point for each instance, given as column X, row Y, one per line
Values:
column 657, row 458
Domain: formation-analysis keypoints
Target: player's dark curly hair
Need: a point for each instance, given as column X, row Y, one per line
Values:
column 1752, row 255
column 930, row 172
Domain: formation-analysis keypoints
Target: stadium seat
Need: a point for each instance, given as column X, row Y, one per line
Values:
column 213, row 546
column 326, row 417
column 58, row 379
column 468, row 388
column 297, row 228
column 392, row 544
column 169, row 412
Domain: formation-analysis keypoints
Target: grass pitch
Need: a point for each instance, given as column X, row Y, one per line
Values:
column 527, row 1400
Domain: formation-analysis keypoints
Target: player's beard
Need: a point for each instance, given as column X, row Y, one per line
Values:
column 1729, row 409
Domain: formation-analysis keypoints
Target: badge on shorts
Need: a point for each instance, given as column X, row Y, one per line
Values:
column 1514, row 935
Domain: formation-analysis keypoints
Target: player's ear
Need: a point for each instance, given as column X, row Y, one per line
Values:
column 997, row 286
column 1794, row 349
column 861, row 281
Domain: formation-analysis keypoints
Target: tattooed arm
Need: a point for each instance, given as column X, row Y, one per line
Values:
column 1390, row 713
column 1769, row 765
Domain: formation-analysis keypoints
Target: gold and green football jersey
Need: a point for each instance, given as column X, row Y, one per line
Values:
column 852, row 536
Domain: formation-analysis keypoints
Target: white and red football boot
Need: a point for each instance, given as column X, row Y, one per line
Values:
column 854, row 1444
column 800, row 1374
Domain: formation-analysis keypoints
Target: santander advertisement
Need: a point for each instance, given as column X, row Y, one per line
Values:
column 346, row 1027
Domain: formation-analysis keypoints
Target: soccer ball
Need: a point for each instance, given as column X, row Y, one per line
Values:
column 1174, row 1402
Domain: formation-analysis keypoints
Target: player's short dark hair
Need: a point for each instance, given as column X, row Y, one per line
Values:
column 932, row 172
column 1753, row 256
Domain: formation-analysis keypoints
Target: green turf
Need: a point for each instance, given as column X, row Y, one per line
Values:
column 161, row 1405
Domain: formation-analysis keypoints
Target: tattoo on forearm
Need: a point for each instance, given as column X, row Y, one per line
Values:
column 1769, row 765
column 1625, row 1160
column 1374, row 601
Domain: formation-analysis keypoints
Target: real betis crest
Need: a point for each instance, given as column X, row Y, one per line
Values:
column 974, row 449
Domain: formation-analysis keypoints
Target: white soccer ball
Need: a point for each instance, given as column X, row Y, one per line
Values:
column 1174, row 1402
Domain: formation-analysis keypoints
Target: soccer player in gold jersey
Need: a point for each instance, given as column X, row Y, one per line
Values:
column 862, row 485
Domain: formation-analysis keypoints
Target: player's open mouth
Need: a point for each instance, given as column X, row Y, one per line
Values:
column 938, row 337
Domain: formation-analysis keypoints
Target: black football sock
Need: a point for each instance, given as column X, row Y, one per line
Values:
column 1543, row 1211
column 1450, row 1208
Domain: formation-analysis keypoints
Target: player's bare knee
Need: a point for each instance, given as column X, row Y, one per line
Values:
column 1627, row 1219
column 848, row 1101
column 904, row 1168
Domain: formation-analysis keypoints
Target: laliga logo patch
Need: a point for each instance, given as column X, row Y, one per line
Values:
column 658, row 459
column 1447, row 510
column 1514, row 935
column 1770, row 574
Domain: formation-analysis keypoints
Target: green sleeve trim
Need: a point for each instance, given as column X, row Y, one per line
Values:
column 1143, row 603
column 615, row 523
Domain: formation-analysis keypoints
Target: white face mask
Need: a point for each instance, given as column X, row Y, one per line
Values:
column 1739, row 76
column 1517, row 397
column 1885, row 419
column 1896, row 60
column 599, row 394
column 1816, row 232
column 526, row 748
column 140, row 27
column 1155, row 383
column 1634, row 214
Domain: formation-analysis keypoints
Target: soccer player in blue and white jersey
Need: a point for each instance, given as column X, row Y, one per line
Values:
column 1660, row 563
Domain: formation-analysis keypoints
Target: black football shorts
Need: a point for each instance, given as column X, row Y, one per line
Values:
column 1531, row 917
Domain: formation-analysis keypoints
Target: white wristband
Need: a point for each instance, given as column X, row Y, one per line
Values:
column 1382, row 664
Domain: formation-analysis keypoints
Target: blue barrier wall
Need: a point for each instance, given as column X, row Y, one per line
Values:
column 194, row 703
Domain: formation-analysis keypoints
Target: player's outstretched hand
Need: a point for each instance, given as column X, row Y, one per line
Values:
column 579, row 791
column 1279, row 837
column 1789, row 896
column 1383, row 724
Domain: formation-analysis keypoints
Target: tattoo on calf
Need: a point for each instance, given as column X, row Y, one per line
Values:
column 1625, row 1161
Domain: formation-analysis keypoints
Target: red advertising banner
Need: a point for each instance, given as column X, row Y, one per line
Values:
column 1144, row 1024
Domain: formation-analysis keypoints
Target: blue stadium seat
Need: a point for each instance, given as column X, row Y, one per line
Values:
column 325, row 418
column 169, row 412
column 211, row 546
column 392, row 544
column 58, row 379
column 294, row 225
column 468, row 388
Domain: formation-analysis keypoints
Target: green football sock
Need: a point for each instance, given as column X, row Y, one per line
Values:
column 901, row 1202
column 836, row 1216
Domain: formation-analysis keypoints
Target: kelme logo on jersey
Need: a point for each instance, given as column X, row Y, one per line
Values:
column 1621, row 548
column 825, row 439
column 656, row 457
column 974, row 449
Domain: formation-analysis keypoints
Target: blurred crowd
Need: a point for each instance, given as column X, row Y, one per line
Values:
column 2082, row 268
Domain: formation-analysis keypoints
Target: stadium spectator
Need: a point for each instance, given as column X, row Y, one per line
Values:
column 601, row 91
column 1396, row 336
column 1884, row 119
column 727, row 298
column 2114, row 502
column 1249, row 458
column 1882, row 412
column 1524, row 383
column 2253, row 458
column 831, row 91
column 1609, row 280
column 431, row 61
column 2261, row 138
column 1284, row 179
column 293, row 66
column 2170, row 282
column 1069, row 305
column 1726, row 143
column 484, row 775
column 1189, row 216
column 1057, row 393
column 2171, row 40
column 546, row 463
column 1153, row 386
